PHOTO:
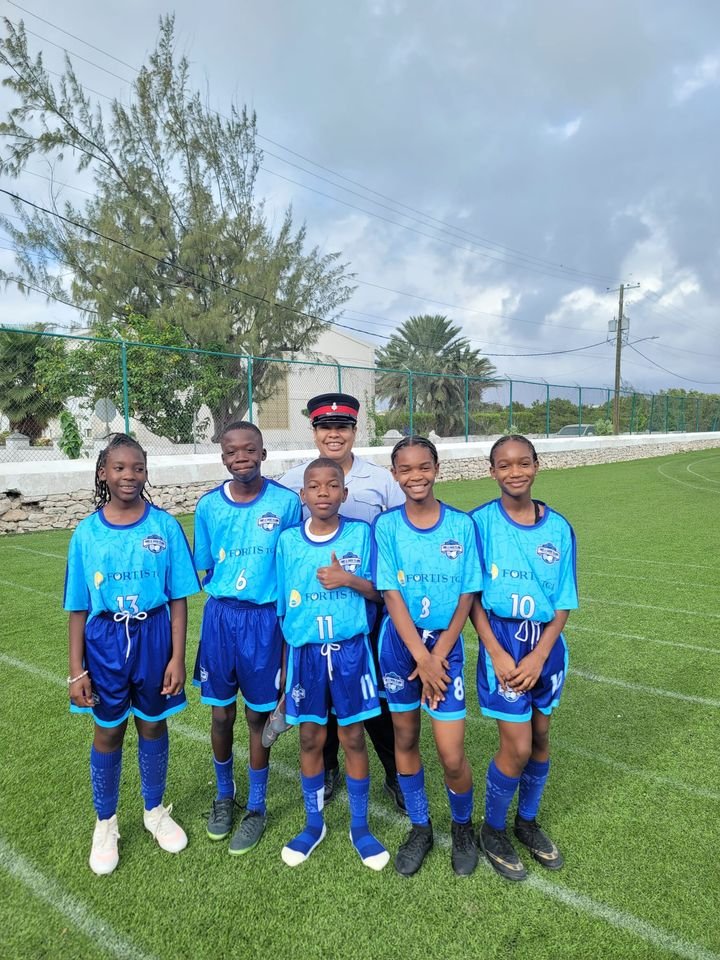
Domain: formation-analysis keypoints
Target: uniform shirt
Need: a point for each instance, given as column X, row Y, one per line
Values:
column 313, row 614
column 133, row 567
column 431, row 567
column 371, row 489
column 235, row 542
column 528, row 572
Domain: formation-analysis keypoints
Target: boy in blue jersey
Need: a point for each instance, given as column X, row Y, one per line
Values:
column 129, row 572
column 426, row 564
column 324, row 603
column 237, row 526
column 529, row 586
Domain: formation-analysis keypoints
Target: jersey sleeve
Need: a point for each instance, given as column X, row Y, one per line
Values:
column 567, row 595
column 182, row 580
column 76, row 595
column 202, row 547
column 472, row 574
column 384, row 563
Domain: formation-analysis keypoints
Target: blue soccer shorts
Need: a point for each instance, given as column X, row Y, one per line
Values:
column 337, row 677
column 126, row 657
column 240, row 650
column 396, row 665
column 518, row 638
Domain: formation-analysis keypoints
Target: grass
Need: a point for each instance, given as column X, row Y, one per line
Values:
column 632, row 798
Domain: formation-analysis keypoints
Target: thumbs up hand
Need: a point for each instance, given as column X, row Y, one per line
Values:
column 333, row 577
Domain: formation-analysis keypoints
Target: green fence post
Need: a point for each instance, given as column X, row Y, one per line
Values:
column 467, row 408
column 579, row 406
column 510, row 415
column 547, row 409
column 608, row 409
column 339, row 372
column 410, row 401
column 125, row 390
column 250, row 388
column 652, row 413
column 667, row 404
column 632, row 412
column 697, row 414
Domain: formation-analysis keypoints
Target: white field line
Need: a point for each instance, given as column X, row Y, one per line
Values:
column 662, row 563
column 684, row 483
column 619, row 919
column 634, row 636
column 651, row 606
column 643, row 688
column 45, row 888
column 38, row 553
column 21, row 586
column 702, row 476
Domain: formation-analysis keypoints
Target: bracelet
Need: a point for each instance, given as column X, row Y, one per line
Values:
column 72, row 680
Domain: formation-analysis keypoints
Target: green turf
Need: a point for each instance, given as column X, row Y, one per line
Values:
column 632, row 799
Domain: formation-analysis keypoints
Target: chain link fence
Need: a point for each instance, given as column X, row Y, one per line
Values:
column 61, row 395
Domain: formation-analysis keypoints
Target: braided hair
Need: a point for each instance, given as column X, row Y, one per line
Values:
column 102, row 493
column 414, row 441
column 517, row 438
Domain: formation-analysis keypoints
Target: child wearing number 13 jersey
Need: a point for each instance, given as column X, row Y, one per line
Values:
column 527, row 552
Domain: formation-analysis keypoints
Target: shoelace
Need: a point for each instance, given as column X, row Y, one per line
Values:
column 327, row 651
column 124, row 616
column 416, row 839
column 464, row 838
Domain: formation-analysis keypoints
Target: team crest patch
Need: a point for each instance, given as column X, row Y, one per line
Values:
column 510, row 695
column 548, row 552
column 451, row 549
column 268, row 522
column 295, row 599
column 393, row 682
column 154, row 543
column 350, row 562
column 298, row 694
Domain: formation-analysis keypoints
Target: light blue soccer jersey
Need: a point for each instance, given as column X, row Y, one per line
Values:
column 136, row 567
column 236, row 542
column 313, row 614
column 528, row 572
column 431, row 568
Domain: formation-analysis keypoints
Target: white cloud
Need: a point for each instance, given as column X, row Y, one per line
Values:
column 564, row 131
column 690, row 80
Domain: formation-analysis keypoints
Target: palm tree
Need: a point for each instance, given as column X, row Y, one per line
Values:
column 443, row 365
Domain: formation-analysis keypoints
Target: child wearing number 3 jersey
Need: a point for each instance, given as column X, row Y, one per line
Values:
column 527, row 553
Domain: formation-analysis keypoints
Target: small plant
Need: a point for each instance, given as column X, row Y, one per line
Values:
column 70, row 439
column 603, row 428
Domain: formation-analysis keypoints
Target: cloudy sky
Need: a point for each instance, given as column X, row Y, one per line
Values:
column 506, row 164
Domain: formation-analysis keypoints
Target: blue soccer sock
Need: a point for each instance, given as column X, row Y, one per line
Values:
column 258, row 781
column 461, row 805
column 498, row 796
column 301, row 846
column 416, row 801
column 105, row 769
column 224, row 778
column 532, row 784
column 372, row 853
column 153, row 761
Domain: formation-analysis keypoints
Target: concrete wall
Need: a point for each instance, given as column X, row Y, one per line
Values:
column 56, row 495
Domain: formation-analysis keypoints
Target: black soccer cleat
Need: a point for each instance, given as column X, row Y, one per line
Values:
column 501, row 853
column 391, row 786
column 413, row 851
column 538, row 843
column 332, row 781
column 464, row 856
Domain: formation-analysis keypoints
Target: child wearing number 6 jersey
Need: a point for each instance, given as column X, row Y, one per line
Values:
column 527, row 552
column 426, row 564
column 324, row 602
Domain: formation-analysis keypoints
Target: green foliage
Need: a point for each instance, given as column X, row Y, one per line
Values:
column 432, row 348
column 176, row 180
column 604, row 428
column 70, row 439
column 26, row 398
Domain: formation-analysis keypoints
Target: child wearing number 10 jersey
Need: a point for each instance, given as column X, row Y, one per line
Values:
column 325, row 598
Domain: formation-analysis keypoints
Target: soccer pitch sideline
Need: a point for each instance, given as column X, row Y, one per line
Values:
column 633, row 796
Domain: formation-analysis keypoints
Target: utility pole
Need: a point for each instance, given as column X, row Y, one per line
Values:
column 618, row 353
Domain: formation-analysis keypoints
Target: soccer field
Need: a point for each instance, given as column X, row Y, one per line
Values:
column 632, row 799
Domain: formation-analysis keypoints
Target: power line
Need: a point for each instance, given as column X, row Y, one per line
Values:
column 672, row 373
column 533, row 263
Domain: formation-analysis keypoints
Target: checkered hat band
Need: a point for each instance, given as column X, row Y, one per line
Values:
column 334, row 410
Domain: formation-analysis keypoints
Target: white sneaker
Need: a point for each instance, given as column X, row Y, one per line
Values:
column 104, row 852
column 169, row 835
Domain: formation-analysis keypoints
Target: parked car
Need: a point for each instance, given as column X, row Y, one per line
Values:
column 576, row 430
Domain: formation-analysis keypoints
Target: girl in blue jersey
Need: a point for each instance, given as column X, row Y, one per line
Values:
column 529, row 586
column 426, row 565
column 129, row 572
